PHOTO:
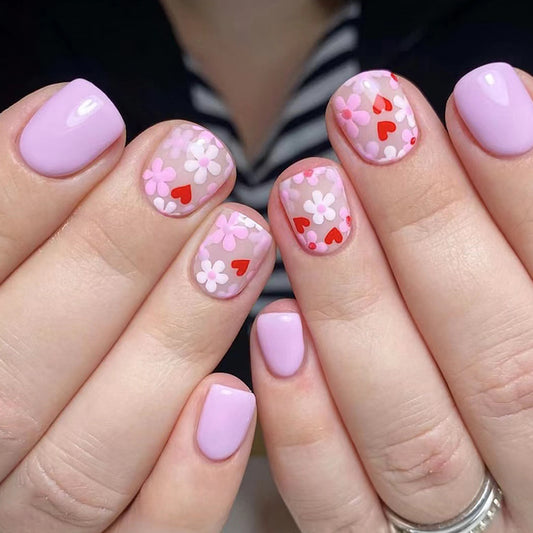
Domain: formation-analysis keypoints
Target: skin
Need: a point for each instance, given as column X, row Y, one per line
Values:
column 406, row 404
column 429, row 373
column 68, row 462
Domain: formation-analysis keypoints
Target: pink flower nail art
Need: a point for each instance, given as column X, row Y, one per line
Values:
column 156, row 178
column 375, row 116
column 349, row 115
column 230, row 255
column 317, row 208
column 188, row 167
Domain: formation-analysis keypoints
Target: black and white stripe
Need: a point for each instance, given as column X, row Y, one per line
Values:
column 300, row 131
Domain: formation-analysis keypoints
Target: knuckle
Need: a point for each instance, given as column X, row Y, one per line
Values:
column 425, row 459
column 20, row 424
column 19, row 429
column 344, row 508
column 507, row 391
column 153, row 512
column 347, row 299
column 427, row 211
column 354, row 515
column 176, row 341
column 307, row 437
column 57, row 486
column 98, row 246
column 11, row 243
column 500, row 377
column 523, row 226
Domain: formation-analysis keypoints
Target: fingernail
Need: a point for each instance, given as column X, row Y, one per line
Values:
column 317, row 208
column 496, row 108
column 376, row 117
column 187, row 168
column 231, row 254
column 282, row 343
column 224, row 422
column 70, row 130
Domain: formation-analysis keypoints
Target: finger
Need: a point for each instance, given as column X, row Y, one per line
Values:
column 196, row 478
column 307, row 444
column 69, row 130
column 62, row 310
column 410, row 437
column 99, row 456
column 493, row 138
column 449, row 258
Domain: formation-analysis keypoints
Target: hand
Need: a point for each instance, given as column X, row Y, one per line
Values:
column 406, row 363
column 112, row 314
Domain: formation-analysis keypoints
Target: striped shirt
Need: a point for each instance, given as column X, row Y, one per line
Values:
column 300, row 131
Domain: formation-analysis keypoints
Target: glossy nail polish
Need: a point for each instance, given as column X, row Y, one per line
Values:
column 281, row 340
column 224, row 422
column 187, row 168
column 316, row 206
column 376, row 117
column 230, row 255
column 496, row 108
column 70, row 130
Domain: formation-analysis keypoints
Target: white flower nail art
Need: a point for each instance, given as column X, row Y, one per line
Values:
column 373, row 113
column 319, row 207
column 318, row 192
column 230, row 254
column 212, row 275
column 202, row 161
column 187, row 168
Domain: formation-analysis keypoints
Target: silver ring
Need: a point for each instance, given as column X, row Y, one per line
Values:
column 476, row 518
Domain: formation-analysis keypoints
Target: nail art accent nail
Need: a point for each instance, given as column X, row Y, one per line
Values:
column 317, row 208
column 497, row 109
column 70, row 130
column 224, row 422
column 231, row 254
column 187, row 168
column 375, row 116
column 282, row 344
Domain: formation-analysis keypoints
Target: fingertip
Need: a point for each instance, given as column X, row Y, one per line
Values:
column 203, row 477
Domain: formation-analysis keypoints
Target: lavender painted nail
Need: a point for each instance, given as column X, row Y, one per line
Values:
column 281, row 340
column 224, row 422
column 70, row 130
column 496, row 108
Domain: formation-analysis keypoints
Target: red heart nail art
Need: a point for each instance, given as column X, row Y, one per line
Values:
column 375, row 115
column 183, row 193
column 173, row 182
column 334, row 235
column 241, row 266
column 300, row 223
column 317, row 208
column 384, row 128
column 381, row 103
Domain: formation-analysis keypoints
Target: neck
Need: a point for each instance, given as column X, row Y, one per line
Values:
column 249, row 18
column 250, row 51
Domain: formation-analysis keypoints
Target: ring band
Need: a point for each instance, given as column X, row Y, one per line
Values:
column 474, row 519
